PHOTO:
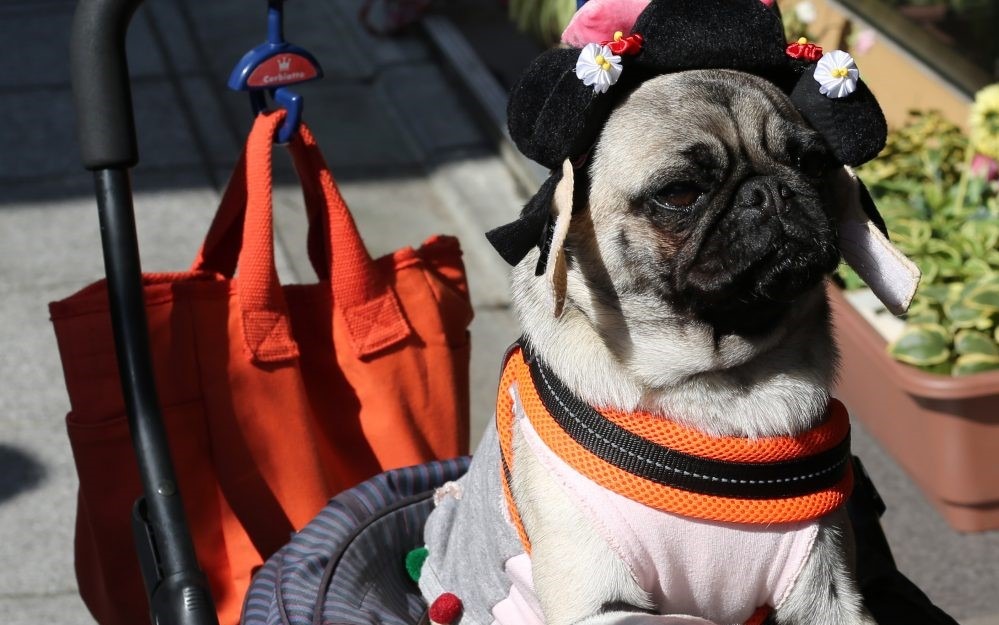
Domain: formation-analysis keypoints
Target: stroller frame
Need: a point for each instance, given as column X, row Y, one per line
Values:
column 177, row 589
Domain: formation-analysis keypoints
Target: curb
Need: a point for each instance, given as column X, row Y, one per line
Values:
column 487, row 96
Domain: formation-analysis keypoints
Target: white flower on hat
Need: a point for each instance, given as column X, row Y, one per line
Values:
column 837, row 74
column 598, row 66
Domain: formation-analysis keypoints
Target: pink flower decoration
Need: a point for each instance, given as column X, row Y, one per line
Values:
column 598, row 20
column 985, row 167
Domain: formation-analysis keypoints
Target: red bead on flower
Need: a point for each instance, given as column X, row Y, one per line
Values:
column 621, row 45
column 801, row 49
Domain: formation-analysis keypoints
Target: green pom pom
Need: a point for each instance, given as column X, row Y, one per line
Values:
column 414, row 562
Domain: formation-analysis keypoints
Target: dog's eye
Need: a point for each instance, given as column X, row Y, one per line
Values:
column 679, row 195
column 813, row 163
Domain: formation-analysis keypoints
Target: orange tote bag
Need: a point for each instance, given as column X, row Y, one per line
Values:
column 274, row 397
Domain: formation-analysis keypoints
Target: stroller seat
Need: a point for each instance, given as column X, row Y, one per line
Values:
column 347, row 566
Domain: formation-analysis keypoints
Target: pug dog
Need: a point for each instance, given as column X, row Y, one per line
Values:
column 685, row 279
column 694, row 289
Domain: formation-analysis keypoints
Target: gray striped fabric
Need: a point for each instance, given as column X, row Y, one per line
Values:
column 347, row 566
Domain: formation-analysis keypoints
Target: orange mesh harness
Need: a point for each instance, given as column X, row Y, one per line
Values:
column 676, row 469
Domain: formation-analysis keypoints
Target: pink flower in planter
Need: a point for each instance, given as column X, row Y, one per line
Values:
column 864, row 42
column 985, row 167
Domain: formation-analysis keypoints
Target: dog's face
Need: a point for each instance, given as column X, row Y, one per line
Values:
column 692, row 284
column 708, row 193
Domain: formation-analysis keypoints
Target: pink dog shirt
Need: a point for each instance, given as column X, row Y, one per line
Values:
column 720, row 572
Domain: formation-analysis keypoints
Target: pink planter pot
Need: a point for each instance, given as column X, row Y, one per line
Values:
column 943, row 431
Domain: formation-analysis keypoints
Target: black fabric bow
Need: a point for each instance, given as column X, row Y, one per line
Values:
column 533, row 228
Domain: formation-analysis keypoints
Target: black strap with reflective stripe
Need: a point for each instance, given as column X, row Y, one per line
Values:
column 639, row 456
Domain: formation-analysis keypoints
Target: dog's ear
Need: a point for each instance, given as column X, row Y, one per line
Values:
column 561, row 214
column 887, row 271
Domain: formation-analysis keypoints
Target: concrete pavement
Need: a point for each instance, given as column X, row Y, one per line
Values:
column 412, row 160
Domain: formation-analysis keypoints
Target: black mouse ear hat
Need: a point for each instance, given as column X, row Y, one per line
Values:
column 559, row 105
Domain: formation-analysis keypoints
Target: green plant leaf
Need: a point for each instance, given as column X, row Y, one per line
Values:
column 944, row 252
column 985, row 231
column 927, row 315
column 975, row 193
column 851, row 281
column 960, row 316
column 923, row 310
column 932, row 293
column 975, row 363
column 936, row 199
column 542, row 19
column 922, row 344
column 984, row 297
column 921, row 302
column 928, row 266
column 969, row 247
column 944, row 368
column 947, row 222
column 974, row 267
column 988, row 321
column 970, row 286
column 911, row 234
column 955, row 292
column 975, row 342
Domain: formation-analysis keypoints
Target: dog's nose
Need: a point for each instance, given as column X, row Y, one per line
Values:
column 768, row 194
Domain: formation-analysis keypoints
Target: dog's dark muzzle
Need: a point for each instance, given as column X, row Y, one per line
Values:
column 772, row 244
column 769, row 195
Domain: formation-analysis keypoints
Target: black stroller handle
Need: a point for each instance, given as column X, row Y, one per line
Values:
column 177, row 589
column 101, row 91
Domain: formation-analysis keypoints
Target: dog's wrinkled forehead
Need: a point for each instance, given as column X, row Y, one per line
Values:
column 709, row 119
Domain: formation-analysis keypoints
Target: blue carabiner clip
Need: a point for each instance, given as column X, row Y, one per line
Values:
column 272, row 67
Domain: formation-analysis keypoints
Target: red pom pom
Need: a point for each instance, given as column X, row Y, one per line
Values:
column 445, row 609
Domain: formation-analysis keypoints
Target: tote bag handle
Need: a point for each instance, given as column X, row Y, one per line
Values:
column 368, row 304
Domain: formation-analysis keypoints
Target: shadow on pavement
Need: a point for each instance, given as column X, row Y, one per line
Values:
column 19, row 472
